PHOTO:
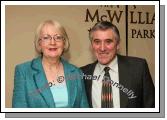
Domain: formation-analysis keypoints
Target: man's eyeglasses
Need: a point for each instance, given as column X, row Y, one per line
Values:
column 56, row 37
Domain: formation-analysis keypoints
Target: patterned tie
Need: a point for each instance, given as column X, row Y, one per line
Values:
column 106, row 97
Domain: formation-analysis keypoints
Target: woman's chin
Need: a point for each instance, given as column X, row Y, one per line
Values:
column 53, row 56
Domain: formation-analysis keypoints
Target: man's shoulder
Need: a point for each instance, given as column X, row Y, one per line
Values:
column 131, row 58
column 89, row 66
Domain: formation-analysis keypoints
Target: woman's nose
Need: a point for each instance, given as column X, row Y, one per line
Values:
column 52, row 41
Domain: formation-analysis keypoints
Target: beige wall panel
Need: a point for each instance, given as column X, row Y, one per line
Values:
column 141, row 41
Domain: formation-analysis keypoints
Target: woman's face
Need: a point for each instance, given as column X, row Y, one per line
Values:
column 51, row 42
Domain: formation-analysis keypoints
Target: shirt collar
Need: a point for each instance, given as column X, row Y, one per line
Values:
column 113, row 65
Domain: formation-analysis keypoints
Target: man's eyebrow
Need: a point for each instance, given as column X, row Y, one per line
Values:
column 109, row 39
column 104, row 39
column 96, row 39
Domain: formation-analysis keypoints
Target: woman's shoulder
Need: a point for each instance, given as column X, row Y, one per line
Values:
column 26, row 64
column 22, row 67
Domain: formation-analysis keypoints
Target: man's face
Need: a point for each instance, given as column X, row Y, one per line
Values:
column 104, row 45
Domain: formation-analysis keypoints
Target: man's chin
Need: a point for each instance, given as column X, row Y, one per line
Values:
column 104, row 62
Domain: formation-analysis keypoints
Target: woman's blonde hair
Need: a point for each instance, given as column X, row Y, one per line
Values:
column 58, row 26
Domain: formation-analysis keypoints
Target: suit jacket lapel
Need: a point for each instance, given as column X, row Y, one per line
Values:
column 88, row 83
column 123, row 80
column 41, row 82
column 71, row 83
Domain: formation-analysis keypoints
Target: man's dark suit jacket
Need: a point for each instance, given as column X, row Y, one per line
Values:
column 133, row 75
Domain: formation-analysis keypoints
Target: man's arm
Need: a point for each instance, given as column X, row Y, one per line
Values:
column 148, row 88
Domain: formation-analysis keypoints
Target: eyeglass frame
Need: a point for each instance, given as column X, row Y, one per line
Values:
column 52, row 37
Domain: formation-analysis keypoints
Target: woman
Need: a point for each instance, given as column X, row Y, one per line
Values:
column 46, row 80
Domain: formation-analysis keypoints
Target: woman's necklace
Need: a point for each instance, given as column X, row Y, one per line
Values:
column 60, row 78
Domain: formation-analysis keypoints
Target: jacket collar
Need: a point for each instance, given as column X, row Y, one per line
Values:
column 42, row 83
column 88, row 83
column 70, row 77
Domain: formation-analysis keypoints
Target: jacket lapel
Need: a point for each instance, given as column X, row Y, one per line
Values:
column 41, row 82
column 123, row 80
column 71, row 83
column 88, row 83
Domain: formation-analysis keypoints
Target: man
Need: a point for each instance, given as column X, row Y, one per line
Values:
column 128, row 84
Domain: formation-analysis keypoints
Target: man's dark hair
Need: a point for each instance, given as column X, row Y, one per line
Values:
column 105, row 25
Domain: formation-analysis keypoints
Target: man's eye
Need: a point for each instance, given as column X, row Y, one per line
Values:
column 109, row 41
column 96, row 41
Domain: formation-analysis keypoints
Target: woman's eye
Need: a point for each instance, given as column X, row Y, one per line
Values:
column 59, row 37
column 45, row 38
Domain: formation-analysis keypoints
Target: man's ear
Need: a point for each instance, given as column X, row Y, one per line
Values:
column 118, row 46
column 91, row 47
column 92, row 52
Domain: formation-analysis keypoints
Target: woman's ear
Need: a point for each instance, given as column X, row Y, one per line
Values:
column 39, row 45
column 39, row 42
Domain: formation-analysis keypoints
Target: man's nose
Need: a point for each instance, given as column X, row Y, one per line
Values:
column 102, row 46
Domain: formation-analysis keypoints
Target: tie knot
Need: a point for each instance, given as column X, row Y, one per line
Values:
column 106, row 69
